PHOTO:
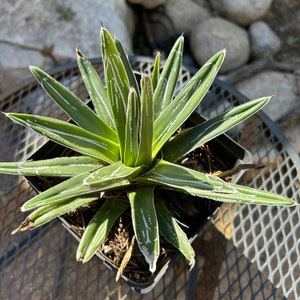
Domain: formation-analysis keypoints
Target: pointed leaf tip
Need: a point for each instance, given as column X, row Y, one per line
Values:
column 33, row 69
column 78, row 52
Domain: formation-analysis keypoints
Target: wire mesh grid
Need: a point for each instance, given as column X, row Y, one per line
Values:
column 244, row 252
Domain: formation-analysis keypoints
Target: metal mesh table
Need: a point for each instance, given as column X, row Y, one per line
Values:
column 245, row 252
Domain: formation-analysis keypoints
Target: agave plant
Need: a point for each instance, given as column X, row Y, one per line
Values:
column 130, row 141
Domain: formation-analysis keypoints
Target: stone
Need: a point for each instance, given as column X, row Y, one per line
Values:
column 291, row 128
column 282, row 86
column 27, row 34
column 203, row 3
column 149, row 4
column 12, row 77
column 243, row 12
column 215, row 34
column 185, row 14
column 263, row 40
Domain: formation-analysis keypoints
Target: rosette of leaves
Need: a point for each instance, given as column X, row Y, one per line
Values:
column 130, row 141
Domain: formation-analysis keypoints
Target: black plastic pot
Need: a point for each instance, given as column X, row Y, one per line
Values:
column 223, row 147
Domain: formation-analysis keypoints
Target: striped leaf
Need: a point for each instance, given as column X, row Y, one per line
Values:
column 99, row 227
column 96, row 90
column 69, row 188
column 156, row 71
column 146, row 124
column 145, row 224
column 48, row 212
column 172, row 232
column 250, row 195
column 78, row 111
column 117, row 83
column 186, row 180
column 71, row 136
column 114, row 173
column 207, row 186
column 192, row 138
column 77, row 186
column 131, row 76
column 163, row 93
column 178, row 111
column 132, row 129
column 61, row 166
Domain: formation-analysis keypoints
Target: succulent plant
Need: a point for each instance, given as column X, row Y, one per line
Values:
column 130, row 141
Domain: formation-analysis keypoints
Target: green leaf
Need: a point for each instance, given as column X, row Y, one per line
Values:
column 254, row 196
column 117, row 83
column 71, row 136
column 186, row 180
column 76, row 186
column 115, row 173
column 132, row 129
column 131, row 76
column 79, row 112
column 61, row 166
column 99, row 227
column 96, row 90
column 146, row 124
column 192, row 138
column 145, row 224
column 156, row 71
column 178, row 111
column 173, row 233
column 164, row 90
column 208, row 186
column 48, row 212
column 115, row 176
column 72, row 187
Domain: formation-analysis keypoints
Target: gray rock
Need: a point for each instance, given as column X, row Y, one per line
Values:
column 185, row 14
column 26, row 32
column 242, row 12
column 282, row 86
column 13, row 77
column 203, row 3
column 149, row 4
column 215, row 34
column 263, row 40
column 291, row 128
